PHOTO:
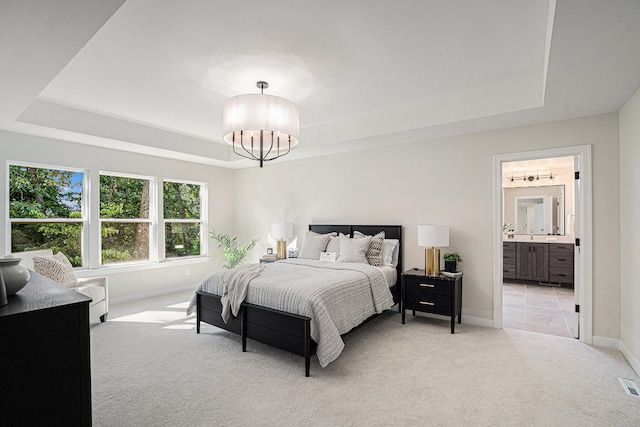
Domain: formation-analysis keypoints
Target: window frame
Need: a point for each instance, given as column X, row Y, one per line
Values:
column 152, row 220
column 202, row 221
column 84, row 207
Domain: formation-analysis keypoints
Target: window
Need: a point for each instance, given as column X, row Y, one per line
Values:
column 125, row 218
column 46, row 210
column 183, row 222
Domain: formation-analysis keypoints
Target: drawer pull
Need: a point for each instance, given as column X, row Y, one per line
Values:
column 562, row 259
column 426, row 303
column 427, row 285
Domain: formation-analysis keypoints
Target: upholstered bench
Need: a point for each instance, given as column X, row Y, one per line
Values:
column 94, row 287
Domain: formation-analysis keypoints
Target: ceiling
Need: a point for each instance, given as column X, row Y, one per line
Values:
column 151, row 76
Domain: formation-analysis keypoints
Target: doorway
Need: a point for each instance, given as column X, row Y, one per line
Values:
column 557, row 229
column 538, row 210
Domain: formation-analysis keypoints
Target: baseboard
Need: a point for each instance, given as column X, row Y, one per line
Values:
column 477, row 321
column 633, row 361
column 606, row 342
column 469, row 320
column 122, row 300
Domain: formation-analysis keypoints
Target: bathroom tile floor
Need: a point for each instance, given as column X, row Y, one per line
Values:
column 544, row 309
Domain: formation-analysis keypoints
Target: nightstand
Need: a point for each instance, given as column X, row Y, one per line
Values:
column 438, row 295
column 267, row 261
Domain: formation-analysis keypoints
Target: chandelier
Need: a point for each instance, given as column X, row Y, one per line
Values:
column 260, row 127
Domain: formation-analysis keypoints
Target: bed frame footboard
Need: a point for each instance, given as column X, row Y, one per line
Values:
column 286, row 331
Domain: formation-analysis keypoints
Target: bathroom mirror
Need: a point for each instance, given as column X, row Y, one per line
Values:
column 535, row 210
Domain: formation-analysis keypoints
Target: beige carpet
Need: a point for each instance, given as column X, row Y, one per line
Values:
column 150, row 368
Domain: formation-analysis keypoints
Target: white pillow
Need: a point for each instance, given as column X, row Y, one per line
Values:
column 57, row 268
column 374, row 253
column 390, row 251
column 354, row 250
column 334, row 245
column 313, row 245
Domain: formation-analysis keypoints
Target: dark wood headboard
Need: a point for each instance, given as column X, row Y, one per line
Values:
column 390, row 232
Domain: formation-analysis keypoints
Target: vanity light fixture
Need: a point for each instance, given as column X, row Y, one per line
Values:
column 537, row 177
column 260, row 127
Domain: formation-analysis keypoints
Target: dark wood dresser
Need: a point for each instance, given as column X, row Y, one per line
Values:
column 45, row 366
column 438, row 295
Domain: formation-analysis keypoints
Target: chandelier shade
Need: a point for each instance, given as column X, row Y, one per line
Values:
column 260, row 127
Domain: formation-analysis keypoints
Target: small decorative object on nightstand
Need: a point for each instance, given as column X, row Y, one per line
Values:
column 438, row 295
column 269, row 257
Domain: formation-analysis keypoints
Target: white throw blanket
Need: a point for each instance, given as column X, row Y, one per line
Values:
column 234, row 288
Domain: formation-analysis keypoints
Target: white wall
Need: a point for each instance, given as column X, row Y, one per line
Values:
column 128, row 282
column 447, row 181
column 630, row 231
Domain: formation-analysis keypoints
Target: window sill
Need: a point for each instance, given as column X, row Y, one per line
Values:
column 139, row 266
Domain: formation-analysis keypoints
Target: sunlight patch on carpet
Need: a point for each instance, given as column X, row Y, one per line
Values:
column 180, row 326
column 152, row 317
column 182, row 305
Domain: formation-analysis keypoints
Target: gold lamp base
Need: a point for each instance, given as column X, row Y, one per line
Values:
column 432, row 261
column 282, row 249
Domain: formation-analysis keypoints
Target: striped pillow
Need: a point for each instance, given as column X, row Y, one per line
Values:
column 374, row 254
column 57, row 268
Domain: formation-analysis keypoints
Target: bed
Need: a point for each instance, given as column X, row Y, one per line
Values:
column 289, row 324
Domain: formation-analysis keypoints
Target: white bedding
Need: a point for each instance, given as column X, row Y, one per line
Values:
column 336, row 296
column 390, row 275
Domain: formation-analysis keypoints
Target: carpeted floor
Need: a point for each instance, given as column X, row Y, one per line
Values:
column 150, row 368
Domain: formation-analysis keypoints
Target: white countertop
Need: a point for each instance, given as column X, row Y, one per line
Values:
column 540, row 239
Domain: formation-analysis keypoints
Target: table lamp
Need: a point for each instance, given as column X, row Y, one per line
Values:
column 431, row 235
column 281, row 232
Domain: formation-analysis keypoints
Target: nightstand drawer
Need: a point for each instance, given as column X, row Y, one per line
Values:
column 430, row 303
column 428, row 286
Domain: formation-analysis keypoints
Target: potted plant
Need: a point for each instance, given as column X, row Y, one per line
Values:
column 451, row 262
column 232, row 253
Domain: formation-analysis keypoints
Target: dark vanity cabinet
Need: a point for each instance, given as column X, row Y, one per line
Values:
column 509, row 260
column 539, row 262
column 561, row 263
column 532, row 261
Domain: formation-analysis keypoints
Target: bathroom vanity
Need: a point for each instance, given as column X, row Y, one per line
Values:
column 543, row 262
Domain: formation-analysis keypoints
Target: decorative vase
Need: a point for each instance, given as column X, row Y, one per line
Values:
column 450, row 266
column 15, row 275
column 3, row 292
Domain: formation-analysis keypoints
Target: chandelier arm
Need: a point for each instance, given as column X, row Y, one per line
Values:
column 250, row 156
column 270, row 148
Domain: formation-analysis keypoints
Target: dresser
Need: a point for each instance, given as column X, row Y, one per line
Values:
column 437, row 295
column 45, row 367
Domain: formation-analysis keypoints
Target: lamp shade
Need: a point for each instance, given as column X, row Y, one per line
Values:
column 282, row 230
column 433, row 235
column 251, row 114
